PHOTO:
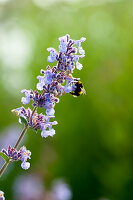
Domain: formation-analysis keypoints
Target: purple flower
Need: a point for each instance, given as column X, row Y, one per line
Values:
column 53, row 54
column 25, row 165
column 67, row 88
column 49, row 105
column 46, row 133
column 23, row 154
column 21, row 112
column 46, row 79
column 78, row 42
column 79, row 66
column 28, row 96
column 36, row 122
column 50, row 112
column 63, row 43
column 11, row 153
column 41, row 82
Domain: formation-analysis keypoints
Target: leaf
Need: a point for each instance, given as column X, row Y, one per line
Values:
column 33, row 129
column 23, row 120
column 4, row 156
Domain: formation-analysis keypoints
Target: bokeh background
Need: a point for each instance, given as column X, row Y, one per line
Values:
column 91, row 155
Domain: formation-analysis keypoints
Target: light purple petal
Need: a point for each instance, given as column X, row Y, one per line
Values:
column 54, row 123
column 63, row 39
column 51, row 132
column 79, row 66
column 63, row 43
column 53, row 54
column 68, row 88
column 50, row 112
column 25, row 100
column 39, row 86
column 48, row 133
column 81, row 50
column 52, row 50
column 82, row 39
column 40, row 78
column 25, row 165
column 51, row 59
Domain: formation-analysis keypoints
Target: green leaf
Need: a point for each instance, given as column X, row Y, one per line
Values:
column 4, row 156
column 33, row 129
column 23, row 120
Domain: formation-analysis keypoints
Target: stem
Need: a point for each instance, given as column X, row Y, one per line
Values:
column 17, row 144
column 21, row 136
column 4, row 167
column 24, row 131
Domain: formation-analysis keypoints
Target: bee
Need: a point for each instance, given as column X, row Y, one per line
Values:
column 79, row 89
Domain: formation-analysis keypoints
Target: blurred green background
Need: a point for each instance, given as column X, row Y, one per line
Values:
column 93, row 146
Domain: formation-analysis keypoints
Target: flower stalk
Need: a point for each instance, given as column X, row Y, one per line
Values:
column 4, row 167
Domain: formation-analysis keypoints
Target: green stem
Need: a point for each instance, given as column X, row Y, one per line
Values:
column 17, row 144
column 24, row 131
column 4, row 167
column 21, row 136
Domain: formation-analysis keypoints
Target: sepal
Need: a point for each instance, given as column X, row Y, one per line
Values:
column 22, row 120
column 4, row 156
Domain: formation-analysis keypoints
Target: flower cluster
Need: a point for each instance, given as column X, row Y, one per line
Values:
column 2, row 195
column 53, row 83
column 23, row 154
column 36, row 121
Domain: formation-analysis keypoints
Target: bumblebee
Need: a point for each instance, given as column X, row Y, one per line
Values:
column 79, row 89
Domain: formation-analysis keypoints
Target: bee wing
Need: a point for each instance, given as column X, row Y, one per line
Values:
column 83, row 90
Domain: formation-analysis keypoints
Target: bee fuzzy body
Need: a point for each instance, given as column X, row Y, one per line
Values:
column 79, row 89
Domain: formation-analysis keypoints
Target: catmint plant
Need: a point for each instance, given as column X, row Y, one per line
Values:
column 54, row 82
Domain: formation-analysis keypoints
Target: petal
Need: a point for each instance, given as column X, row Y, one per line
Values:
column 54, row 123
column 81, row 50
column 25, row 100
column 50, row 112
column 79, row 66
column 39, row 86
column 40, row 78
column 82, row 39
column 52, row 50
column 23, row 91
column 25, row 165
column 51, row 59
column 51, row 132
column 68, row 88
column 48, row 133
column 63, row 39
column 63, row 49
column 44, row 133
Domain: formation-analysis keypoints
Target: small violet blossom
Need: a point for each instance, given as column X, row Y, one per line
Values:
column 52, row 56
column 78, row 42
column 63, row 43
column 23, row 154
column 28, row 95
